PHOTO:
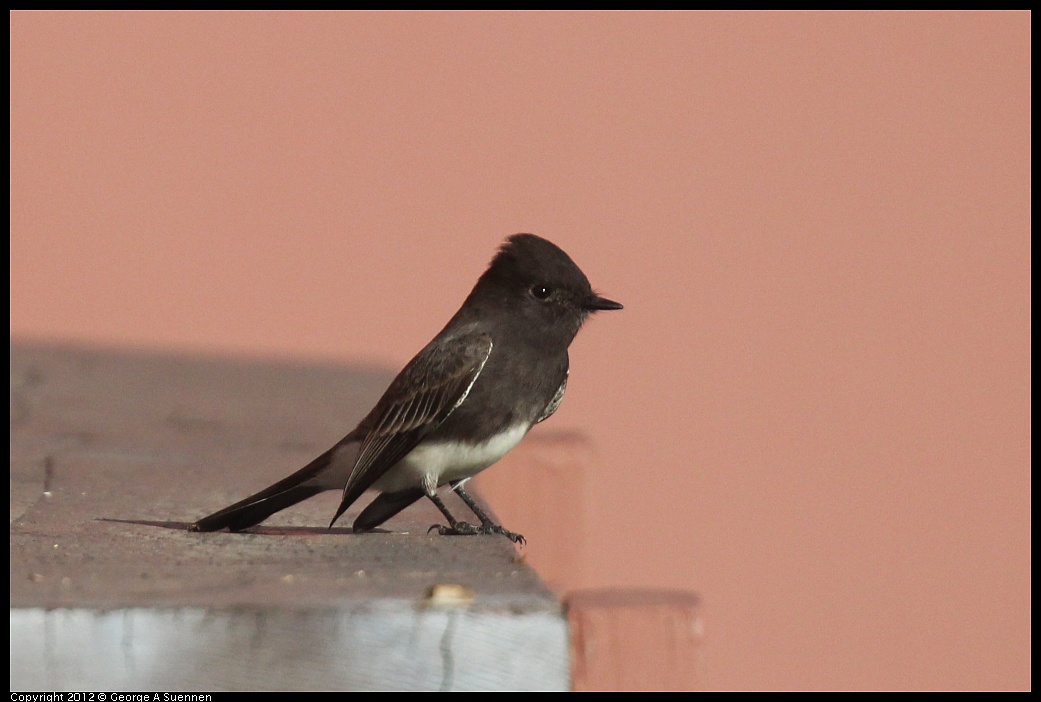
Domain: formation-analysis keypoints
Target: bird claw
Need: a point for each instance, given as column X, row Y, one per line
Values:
column 511, row 535
column 467, row 529
column 457, row 529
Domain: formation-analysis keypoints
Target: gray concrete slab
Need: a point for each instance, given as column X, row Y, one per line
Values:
column 114, row 453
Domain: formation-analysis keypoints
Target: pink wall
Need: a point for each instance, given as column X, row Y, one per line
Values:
column 815, row 407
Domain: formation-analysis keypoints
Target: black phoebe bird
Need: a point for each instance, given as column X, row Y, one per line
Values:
column 499, row 367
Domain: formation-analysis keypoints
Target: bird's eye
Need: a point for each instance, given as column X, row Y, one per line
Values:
column 540, row 292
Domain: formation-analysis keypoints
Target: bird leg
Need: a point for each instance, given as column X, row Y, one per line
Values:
column 486, row 521
column 458, row 528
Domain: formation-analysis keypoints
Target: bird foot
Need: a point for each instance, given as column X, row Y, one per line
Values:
column 467, row 529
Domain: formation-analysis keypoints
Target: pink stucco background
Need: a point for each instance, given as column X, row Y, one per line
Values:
column 814, row 410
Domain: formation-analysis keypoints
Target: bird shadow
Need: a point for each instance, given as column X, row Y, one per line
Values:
column 258, row 530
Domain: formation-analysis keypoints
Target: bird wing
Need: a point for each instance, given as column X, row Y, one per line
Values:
column 555, row 402
column 421, row 397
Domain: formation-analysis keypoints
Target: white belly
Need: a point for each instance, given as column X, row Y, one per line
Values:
column 429, row 465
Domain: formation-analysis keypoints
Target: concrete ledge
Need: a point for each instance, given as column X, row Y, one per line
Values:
column 634, row 640
column 114, row 453
column 378, row 644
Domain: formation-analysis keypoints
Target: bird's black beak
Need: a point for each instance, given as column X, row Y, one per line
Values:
column 595, row 302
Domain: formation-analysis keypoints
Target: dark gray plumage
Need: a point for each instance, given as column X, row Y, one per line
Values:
column 497, row 368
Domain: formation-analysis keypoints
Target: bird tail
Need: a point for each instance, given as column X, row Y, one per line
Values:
column 384, row 507
column 256, row 508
